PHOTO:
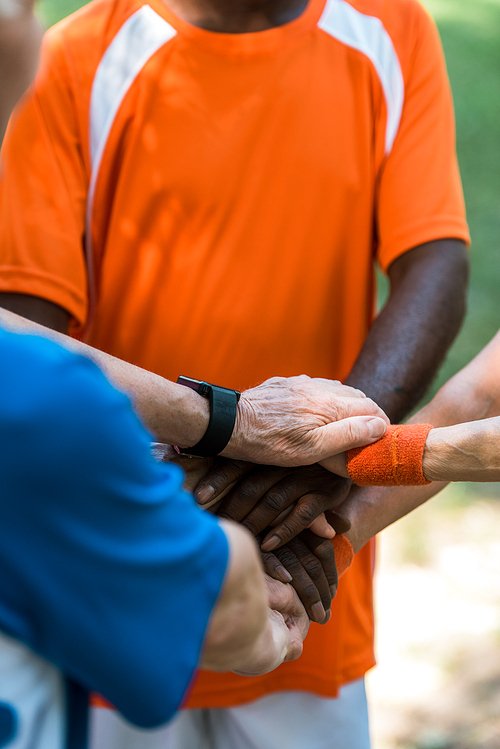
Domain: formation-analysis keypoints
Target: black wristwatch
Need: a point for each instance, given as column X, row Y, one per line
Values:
column 223, row 408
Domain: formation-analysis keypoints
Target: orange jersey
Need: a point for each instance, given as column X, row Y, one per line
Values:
column 212, row 205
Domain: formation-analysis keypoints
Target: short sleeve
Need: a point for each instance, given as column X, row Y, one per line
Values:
column 420, row 195
column 107, row 568
column 43, row 192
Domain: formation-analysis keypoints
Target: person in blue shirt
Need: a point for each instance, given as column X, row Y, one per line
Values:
column 108, row 569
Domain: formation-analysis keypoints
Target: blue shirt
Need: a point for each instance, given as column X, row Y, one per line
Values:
column 107, row 568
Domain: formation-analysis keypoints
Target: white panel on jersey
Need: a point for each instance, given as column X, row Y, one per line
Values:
column 138, row 39
column 368, row 35
column 136, row 42
column 33, row 689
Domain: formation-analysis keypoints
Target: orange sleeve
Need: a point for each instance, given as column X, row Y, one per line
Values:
column 420, row 195
column 43, row 192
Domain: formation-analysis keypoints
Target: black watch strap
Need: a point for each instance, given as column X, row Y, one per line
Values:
column 223, row 407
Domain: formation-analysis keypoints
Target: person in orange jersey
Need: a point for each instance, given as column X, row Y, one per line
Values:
column 201, row 187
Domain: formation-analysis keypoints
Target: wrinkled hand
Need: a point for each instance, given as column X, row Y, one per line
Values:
column 300, row 420
column 288, row 498
column 284, row 600
column 307, row 562
column 286, row 630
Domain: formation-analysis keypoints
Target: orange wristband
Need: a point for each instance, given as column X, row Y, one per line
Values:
column 395, row 460
column 344, row 553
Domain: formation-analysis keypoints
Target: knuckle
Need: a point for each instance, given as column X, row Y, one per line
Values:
column 287, row 558
column 325, row 553
column 271, row 563
column 224, row 473
column 251, row 526
column 246, row 492
column 313, row 567
column 310, row 593
column 307, row 511
column 351, row 431
column 275, row 501
column 286, row 530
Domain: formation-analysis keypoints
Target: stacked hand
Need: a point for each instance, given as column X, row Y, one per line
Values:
column 297, row 421
column 258, row 497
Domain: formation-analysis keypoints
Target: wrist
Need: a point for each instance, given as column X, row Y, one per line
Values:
column 434, row 455
column 269, row 649
column 223, row 403
column 395, row 460
column 194, row 417
column 238, row 446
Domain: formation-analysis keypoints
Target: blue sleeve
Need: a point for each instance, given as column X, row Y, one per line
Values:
column 107, row 568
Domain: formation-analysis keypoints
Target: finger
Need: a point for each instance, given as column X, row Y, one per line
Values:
column 275, row 569
column 317, row 556
column 249, row 491
column 321, row 527
column 336, row 464
column 219, row 479
column 339, row 523
column 308, row 578
column 339, row 436
column 352, row 406
column 323, row 550
column 277, row 502
column 297, row 631
column 283, row 598
column 304, row 513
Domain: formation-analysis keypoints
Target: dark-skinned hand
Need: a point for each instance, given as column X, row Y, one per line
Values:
column 307, row 562
column 289, row 499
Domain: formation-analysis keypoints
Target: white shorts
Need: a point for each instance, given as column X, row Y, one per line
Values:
column 32, row 699
column 286, row 720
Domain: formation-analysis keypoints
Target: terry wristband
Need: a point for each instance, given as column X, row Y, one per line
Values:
column 344, row 553
column 395, row 460
column 223, row 407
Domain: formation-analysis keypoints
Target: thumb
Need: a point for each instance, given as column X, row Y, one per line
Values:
column 339, row 436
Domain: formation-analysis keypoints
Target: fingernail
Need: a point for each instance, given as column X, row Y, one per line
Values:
column 376, row 427
column 318, row 612
column 204, row 494
column 333, row 590
column 283, row 574
column 271, row 543
column 327, row 616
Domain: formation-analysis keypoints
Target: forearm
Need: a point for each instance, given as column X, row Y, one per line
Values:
column 473, row 393
column 240, row 622
column 370, row 509
column 406, row 345
column 173, row 413
column 464, row 452
column 283, row 421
